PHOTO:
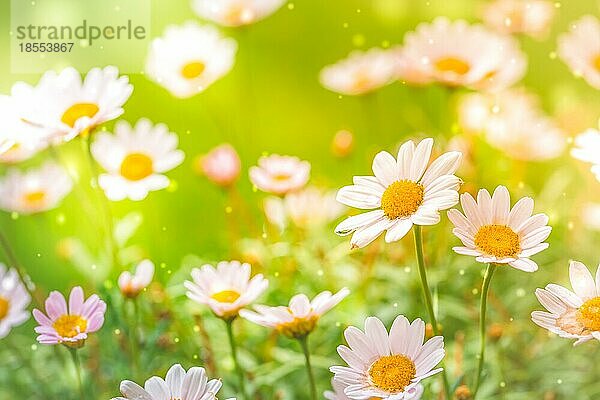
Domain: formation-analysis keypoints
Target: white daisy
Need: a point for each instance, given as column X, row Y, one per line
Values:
column 459, row 54
column 572, row 315
column 235, row 12
column 135, row 159
column 531, row 17
column 68, row 106
column 338, row 392
column 179, row 384
column 361, row 72
column 299, row 318
column 387, row 366
column 403, row 192
column 494, row 233
column 188, row 59
column 35, row 190
column 580, row 49
column 132, row 284
column 14, row 300
column 225, row 289
column 280, row 174
column 587, row 148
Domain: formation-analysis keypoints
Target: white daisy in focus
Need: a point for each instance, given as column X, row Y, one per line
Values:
column 580, row 49
column 135, row 159
column 530, row 17
column 188, row 59
column 225, row 289
column 360, row 73
column 338, row 392
column 280, row 174
column 299, row 318
column 572, row 315
column 179, row 384
column 35, row 190
column 67, row 106
column 14, row 300
column 404, row 192
column 587, row 148
column 132, row 284
column 387, row 366
column 235, row 12
column 492, row 232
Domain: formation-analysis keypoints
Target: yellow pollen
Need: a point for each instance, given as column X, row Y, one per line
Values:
column 299, row 327
column 34, row 198
column 401, row 199
column 70, row 325
column 226, row 296
column 589, row 314
column 451, row 64
column 77, row 111
column 136, row 166
column 392, row 373
column 4, row 307
column 498, row 240
column 193, row 69
column 597, row 62
column 281, row 177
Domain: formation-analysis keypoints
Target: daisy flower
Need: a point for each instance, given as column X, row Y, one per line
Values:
column 35, row 190
column 225, row 289
column 387, row 366
column 530, row 17
column 221, row 165
column 131, row 285
column 587, row 148
column 403, row 192
column 459, row 54
column 572, row 315
column 361, row 72
column 69, row 325
column 492, row 232
column 235, row 12
column 14, row 300
column 188, row 59
column 67, row 106
column 135, row 159
column 280, row 174
column 179, row 384
column 299, row 318
column 338, row 392
column 580, row 49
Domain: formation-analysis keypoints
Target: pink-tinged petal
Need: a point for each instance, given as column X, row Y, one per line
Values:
column 76, row 301
column 471, row 210
column 500, row 206
column 460, row 221
column 520, row 212
column 532, row 223
column 95, row 322
column 56, row 305
column 377, row 335
column 484, row 203
column 41, row 318
column 385, row 168
column 535, row 237
column 582, row 281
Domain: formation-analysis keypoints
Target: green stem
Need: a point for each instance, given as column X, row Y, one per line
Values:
column 77, row 365
column 487, row 278
column 134, row 337
column 427, row 296
column 238, row 367
column 311, row 377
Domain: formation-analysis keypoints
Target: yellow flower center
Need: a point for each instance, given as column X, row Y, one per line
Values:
column 69, row 326
column 498, row 240
column 452, row 64
column 589, row 314
column 392, row 373
column 34, row 199
column 193, row 69
column 226, row 296
column 77, row 111
column 597, row 62
column 136, row 166
column 281, row 177
column 299, row 327
column 402, row 198
column 4, row 307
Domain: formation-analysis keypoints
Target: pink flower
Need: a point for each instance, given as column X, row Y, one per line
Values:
column 69, row 325
column 132, row 284
column 221, row 165
column 280, row 174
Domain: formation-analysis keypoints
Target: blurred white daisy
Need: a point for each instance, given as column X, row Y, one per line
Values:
column 188, row 59
column 299, row 318
column 280, row 174
column 387, row 366
column 404, row 192
column 530, row 17
column 587, row 148
column 132, row 284
column 135, row 159
column 235, row 12
column 459, row 54
column 225, row 289
column 14, row 300
column 36, row 190
column 67, row 106
column 179, row 384
column 338, row 392
column 360, row 73
column 590, row 215
column 492, row 232
column 580, row 49
column 572, row 315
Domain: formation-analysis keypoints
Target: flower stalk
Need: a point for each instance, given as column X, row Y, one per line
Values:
column 487, row 278
column 311, row 376
column 77, row 365
column 238, row 367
